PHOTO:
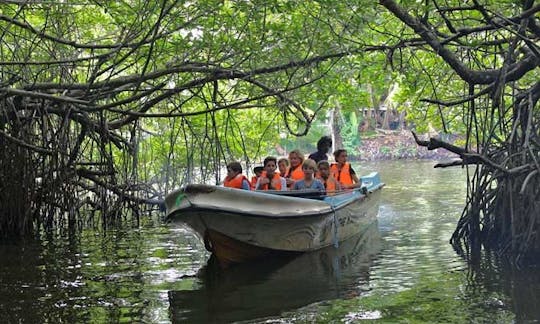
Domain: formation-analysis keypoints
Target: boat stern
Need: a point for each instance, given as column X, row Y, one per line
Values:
column 372, row 181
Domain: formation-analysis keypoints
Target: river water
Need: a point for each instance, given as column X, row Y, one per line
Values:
column 400, row 270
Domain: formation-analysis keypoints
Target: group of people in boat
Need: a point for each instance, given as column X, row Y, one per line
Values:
column 297, row 173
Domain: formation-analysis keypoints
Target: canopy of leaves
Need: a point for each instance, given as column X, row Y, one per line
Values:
column 131, row 98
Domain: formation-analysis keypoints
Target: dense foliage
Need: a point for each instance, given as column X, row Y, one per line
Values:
column 111, row 104
column 107, row 104
column 492, row 50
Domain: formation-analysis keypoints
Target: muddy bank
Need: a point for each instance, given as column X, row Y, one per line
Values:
column 391, row 145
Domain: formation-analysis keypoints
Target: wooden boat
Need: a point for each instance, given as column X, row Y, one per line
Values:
column 239, row 225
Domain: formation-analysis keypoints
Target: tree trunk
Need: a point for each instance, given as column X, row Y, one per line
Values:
column 337, row 139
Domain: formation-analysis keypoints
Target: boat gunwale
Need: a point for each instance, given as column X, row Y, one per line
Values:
column 194, row 207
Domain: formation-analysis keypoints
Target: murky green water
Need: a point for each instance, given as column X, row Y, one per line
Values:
column 401, row 270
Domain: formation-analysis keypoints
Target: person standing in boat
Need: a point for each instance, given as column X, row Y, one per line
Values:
column 324, row 144
column 343, row 172
column 330, row 183
column 309, row 181
column 295, row 171
column 235, row 178
column 269, row 179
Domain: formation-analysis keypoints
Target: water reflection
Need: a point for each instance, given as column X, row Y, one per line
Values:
column 157, row 273
column 495, row 285
column 119, row 275
column 271, row 286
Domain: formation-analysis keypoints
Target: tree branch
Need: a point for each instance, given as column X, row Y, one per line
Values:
column 515, row 71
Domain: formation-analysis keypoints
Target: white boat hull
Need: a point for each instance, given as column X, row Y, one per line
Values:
column 242, row 224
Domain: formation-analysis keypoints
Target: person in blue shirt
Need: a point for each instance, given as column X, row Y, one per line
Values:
column 309, row 182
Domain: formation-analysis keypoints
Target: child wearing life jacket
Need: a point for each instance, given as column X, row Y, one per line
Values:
column 343, row 172
column 283, row 166
column 330, row 183
column 270, row 179
column 295, row 171
column 258, row 170
column 309, row 181
column 235, row 178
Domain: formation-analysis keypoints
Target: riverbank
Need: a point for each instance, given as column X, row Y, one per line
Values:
column 394, row 145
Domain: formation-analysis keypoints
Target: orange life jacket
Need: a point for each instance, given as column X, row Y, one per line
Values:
column 253, row 182
column 235, row 182
column 330, row 184
column 276, row 182
column 295, row 174
column 342, row 175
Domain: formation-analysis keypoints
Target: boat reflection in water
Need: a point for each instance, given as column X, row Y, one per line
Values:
column 271, row 286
